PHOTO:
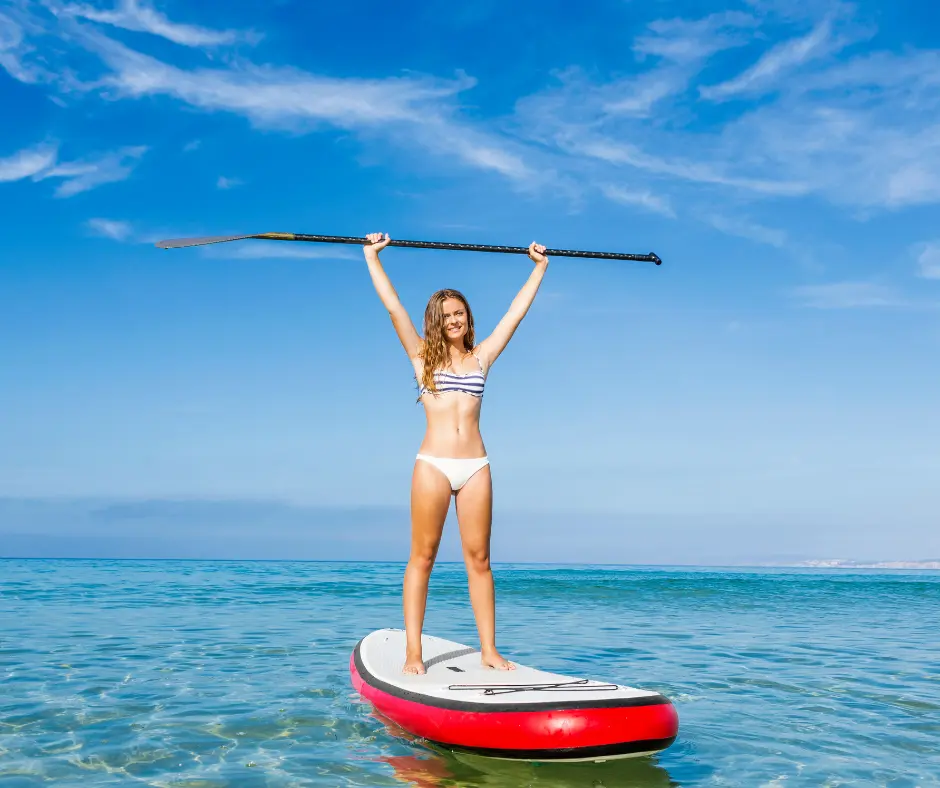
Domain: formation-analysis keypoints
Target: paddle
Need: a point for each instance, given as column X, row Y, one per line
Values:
column 182, row 243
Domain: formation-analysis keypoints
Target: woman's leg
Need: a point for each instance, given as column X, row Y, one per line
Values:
column 475, row 516
column 430, row 500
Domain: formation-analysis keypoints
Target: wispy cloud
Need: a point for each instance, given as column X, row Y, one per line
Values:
column 928, row 260
column 640, row 199
column 17, row 56
column 85, row 174
column 42, row 162
column 412, row 110
column 11, row 49
column 858, row 131
column 679, row 47
column 752, row 231
column 861, row 131
column 639, row 95
column 685, row 40
column 847, row 295
column 142, row 17
column 688, row 170
column 27, row 163
column 779, row 60
column 228, row 183
column 415, row 110
column 110, row 228
column 270, row 96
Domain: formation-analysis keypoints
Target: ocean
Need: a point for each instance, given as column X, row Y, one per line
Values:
column 207, row 674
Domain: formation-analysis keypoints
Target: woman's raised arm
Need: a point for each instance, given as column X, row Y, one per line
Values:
column 383, row 286
column 490, row 348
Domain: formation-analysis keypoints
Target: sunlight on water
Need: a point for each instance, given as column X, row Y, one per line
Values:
column 211, row 674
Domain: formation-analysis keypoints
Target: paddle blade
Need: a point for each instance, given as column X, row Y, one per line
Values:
column 182, row 243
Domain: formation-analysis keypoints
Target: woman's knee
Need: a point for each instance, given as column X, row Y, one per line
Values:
column 422, row 559
column 477, row 560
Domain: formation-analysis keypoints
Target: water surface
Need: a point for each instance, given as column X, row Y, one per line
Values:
column 211, row 674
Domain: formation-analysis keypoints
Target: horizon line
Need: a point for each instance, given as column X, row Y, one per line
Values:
column 460, row 562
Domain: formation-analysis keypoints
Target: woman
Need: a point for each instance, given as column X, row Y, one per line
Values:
column 451, row 372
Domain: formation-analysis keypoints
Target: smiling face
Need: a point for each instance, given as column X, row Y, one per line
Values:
column 448, row 325
column 454, row 320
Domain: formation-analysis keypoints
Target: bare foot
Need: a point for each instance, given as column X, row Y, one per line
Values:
column 413, row 665
column 492, row 659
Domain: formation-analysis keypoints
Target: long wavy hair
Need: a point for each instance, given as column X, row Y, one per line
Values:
column 434, row 351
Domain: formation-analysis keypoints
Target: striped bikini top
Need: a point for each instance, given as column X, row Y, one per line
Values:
column 471, row 383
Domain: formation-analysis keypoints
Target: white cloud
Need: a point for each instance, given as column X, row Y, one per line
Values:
column 641, row 199
column 928, row 258
column 863, row 131
column 477, row 148
column 696, row 172
column 109, row 228
column 680, row 45
column 780, row 59
column 847, row 295
column 27, row 163
column 639, row 96
column 15, row 53
column 82, row 175
column 411, row 109
column 41, row 162
column 142, row 17
column 270, row 96
column 752, row 231
column 686, row 40
column 228, row 183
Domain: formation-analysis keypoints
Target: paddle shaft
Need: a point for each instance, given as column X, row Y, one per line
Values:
column 342, row 239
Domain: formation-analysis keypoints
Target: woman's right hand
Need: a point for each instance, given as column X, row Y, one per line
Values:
column 377, row 242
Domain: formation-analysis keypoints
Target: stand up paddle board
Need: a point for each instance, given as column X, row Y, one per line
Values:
column 523, row 714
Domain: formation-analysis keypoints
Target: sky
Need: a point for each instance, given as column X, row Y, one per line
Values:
column 769, row 393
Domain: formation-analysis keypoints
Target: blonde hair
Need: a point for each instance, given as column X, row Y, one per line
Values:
column 434, row 351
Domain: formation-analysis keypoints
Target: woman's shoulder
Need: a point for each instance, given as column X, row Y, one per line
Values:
column 479, row 352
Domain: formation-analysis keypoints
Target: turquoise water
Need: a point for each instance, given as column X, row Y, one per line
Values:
column 235, row 674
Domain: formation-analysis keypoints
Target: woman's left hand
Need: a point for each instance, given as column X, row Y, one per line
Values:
column 537, row 254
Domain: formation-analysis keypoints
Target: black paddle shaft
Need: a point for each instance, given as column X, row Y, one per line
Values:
column 342, row 239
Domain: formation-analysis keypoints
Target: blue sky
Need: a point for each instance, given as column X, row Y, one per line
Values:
column 770, row 390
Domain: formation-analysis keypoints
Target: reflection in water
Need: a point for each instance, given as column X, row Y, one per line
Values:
column 420, row 771
column 441, row 768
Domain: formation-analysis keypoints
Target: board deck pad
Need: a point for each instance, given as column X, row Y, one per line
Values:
column 453, row 669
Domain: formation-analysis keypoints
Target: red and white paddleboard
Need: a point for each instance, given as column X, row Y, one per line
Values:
column 524, row 714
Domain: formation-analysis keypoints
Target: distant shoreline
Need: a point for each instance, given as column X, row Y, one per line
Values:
column 840, row 564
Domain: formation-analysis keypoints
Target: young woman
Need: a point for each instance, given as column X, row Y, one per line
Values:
column 451, row 371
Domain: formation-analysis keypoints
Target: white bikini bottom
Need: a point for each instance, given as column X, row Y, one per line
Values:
column 457, row 470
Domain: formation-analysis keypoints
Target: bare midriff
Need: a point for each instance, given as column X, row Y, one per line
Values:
column 453, row 426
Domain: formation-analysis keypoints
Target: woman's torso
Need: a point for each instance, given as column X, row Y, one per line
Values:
column 453, row 413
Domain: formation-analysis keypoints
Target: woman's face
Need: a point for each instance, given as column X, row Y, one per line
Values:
column 455, row 319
